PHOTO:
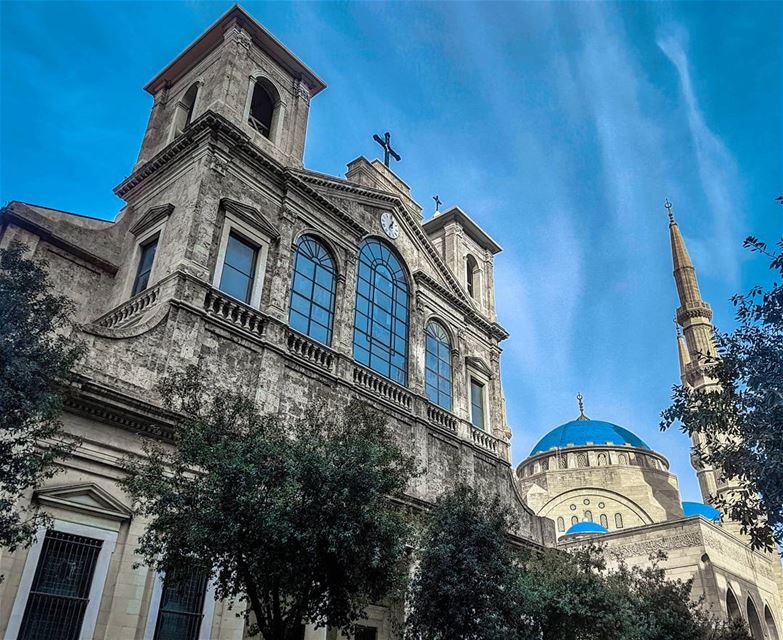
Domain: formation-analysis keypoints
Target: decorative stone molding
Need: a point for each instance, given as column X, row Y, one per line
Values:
column 302, row 90
column 86, row 498
column 152, row 217
column 130, row 311
column 650, row 547
column 251, row 216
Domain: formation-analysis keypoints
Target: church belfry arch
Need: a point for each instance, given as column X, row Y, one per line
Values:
column 264, row 108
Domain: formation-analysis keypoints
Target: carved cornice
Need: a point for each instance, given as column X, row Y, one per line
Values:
column 153, row 216
column 492, row 328
column 702, row 310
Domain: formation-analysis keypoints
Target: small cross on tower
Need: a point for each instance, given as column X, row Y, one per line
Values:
column 438, row 202
column 385, row 142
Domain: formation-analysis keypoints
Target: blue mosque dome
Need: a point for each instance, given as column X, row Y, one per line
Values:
column 586, row 527
column 582, row 431
column 701, row 509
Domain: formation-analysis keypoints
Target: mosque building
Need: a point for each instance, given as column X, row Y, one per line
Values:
column 600, row 482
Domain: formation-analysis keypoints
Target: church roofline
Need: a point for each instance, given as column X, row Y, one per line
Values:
column 474, row 230
column 213, row 36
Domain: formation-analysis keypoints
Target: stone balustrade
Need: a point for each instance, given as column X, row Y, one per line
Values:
column 234, row 312
column 309, row 350
column 438, row 416
column 382, row 387
column 483, row 440
column 130, row 310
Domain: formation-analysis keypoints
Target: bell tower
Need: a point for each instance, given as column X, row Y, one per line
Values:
column 241, row 72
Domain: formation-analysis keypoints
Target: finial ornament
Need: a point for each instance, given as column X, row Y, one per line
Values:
column 581, row 400
column 668, row 206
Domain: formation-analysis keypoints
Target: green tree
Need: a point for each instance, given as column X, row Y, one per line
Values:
column 36, row 358
column 465, row 584
column 741, row 422
column 292, row 515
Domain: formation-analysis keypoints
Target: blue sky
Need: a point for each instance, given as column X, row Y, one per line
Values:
column 560, row 127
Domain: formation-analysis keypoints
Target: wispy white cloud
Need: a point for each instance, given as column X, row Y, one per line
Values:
column 717, row 169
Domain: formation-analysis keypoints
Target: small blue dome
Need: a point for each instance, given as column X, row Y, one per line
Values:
column 701, row 509
column 579, row 432
column 586, row 527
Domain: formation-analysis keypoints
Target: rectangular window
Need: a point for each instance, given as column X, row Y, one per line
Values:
column 60, row 590
column 477, row 403
column 366, row 633
column 238, row 268
column 145, row 266
column 181, row 608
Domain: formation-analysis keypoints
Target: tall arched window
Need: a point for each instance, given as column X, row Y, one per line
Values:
column 560, row 524
column 582, row 461
column 262, row 107
column 471, row 276
column 588, row 516
column 563, row 462
column 380, row 334
column 618, row 520
column 604, row 521
column 622, row 459
column 437, row 364
column 574, row 520
column 601, row 459
column 312, row 290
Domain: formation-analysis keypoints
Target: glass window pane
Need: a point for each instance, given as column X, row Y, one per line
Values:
column 314, row 302
column 235, row 283
column 240, row 255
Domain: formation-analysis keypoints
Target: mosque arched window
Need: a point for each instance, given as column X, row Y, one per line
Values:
column 560, row 524
column 574, row 520
column 770, row 622
column 582, row 461
column 437, row 365
column 545, row 464
column 604, row 521
column 563, row 462
column 754, row 622
column 312, row 290
column 601, row 459
column 622, row 459
column 588, row 516
column 380, row 335
column 618, row 520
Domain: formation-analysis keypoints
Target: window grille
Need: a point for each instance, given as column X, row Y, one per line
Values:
column 601, row 459
column 145, row 266
column 563, row 462
column 181, row 607
column 380, row 336
column 545, row 464
column 312, row 291
column 581, row 460
column 239, row 267
column 61, row 586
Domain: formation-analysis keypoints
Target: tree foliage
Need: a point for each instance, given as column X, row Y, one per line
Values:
column 36, row 358
column 292, row 515
column 471, row 585
column 741, row 422
column 465, row 583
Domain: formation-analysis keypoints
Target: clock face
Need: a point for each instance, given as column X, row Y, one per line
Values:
column 389, row 225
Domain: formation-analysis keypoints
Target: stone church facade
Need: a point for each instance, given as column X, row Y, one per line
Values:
column 292, row 286
column 296, row 288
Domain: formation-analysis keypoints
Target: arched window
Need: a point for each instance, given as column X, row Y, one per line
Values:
column 581, row 460
column 622, row 459
column 754, row 622
column 262, row 107
column 604, row 521
column 563, row 462
column 601, row 459
column 574, row 520
column 618, row 520
column 588, row 516
column 380, row 335
column 312, row 290
column 471, row 276
column 732, row 606
column 437, row 375
column 183, row 113
column 545, row 464
column 560, row 524
column 772, row 628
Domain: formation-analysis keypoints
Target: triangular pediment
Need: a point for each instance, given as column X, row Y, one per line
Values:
column 479, row 365
column 151, row 217
column 251, row 216
column 86, row 498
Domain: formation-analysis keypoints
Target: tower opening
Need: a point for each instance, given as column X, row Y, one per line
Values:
column 262, row 108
